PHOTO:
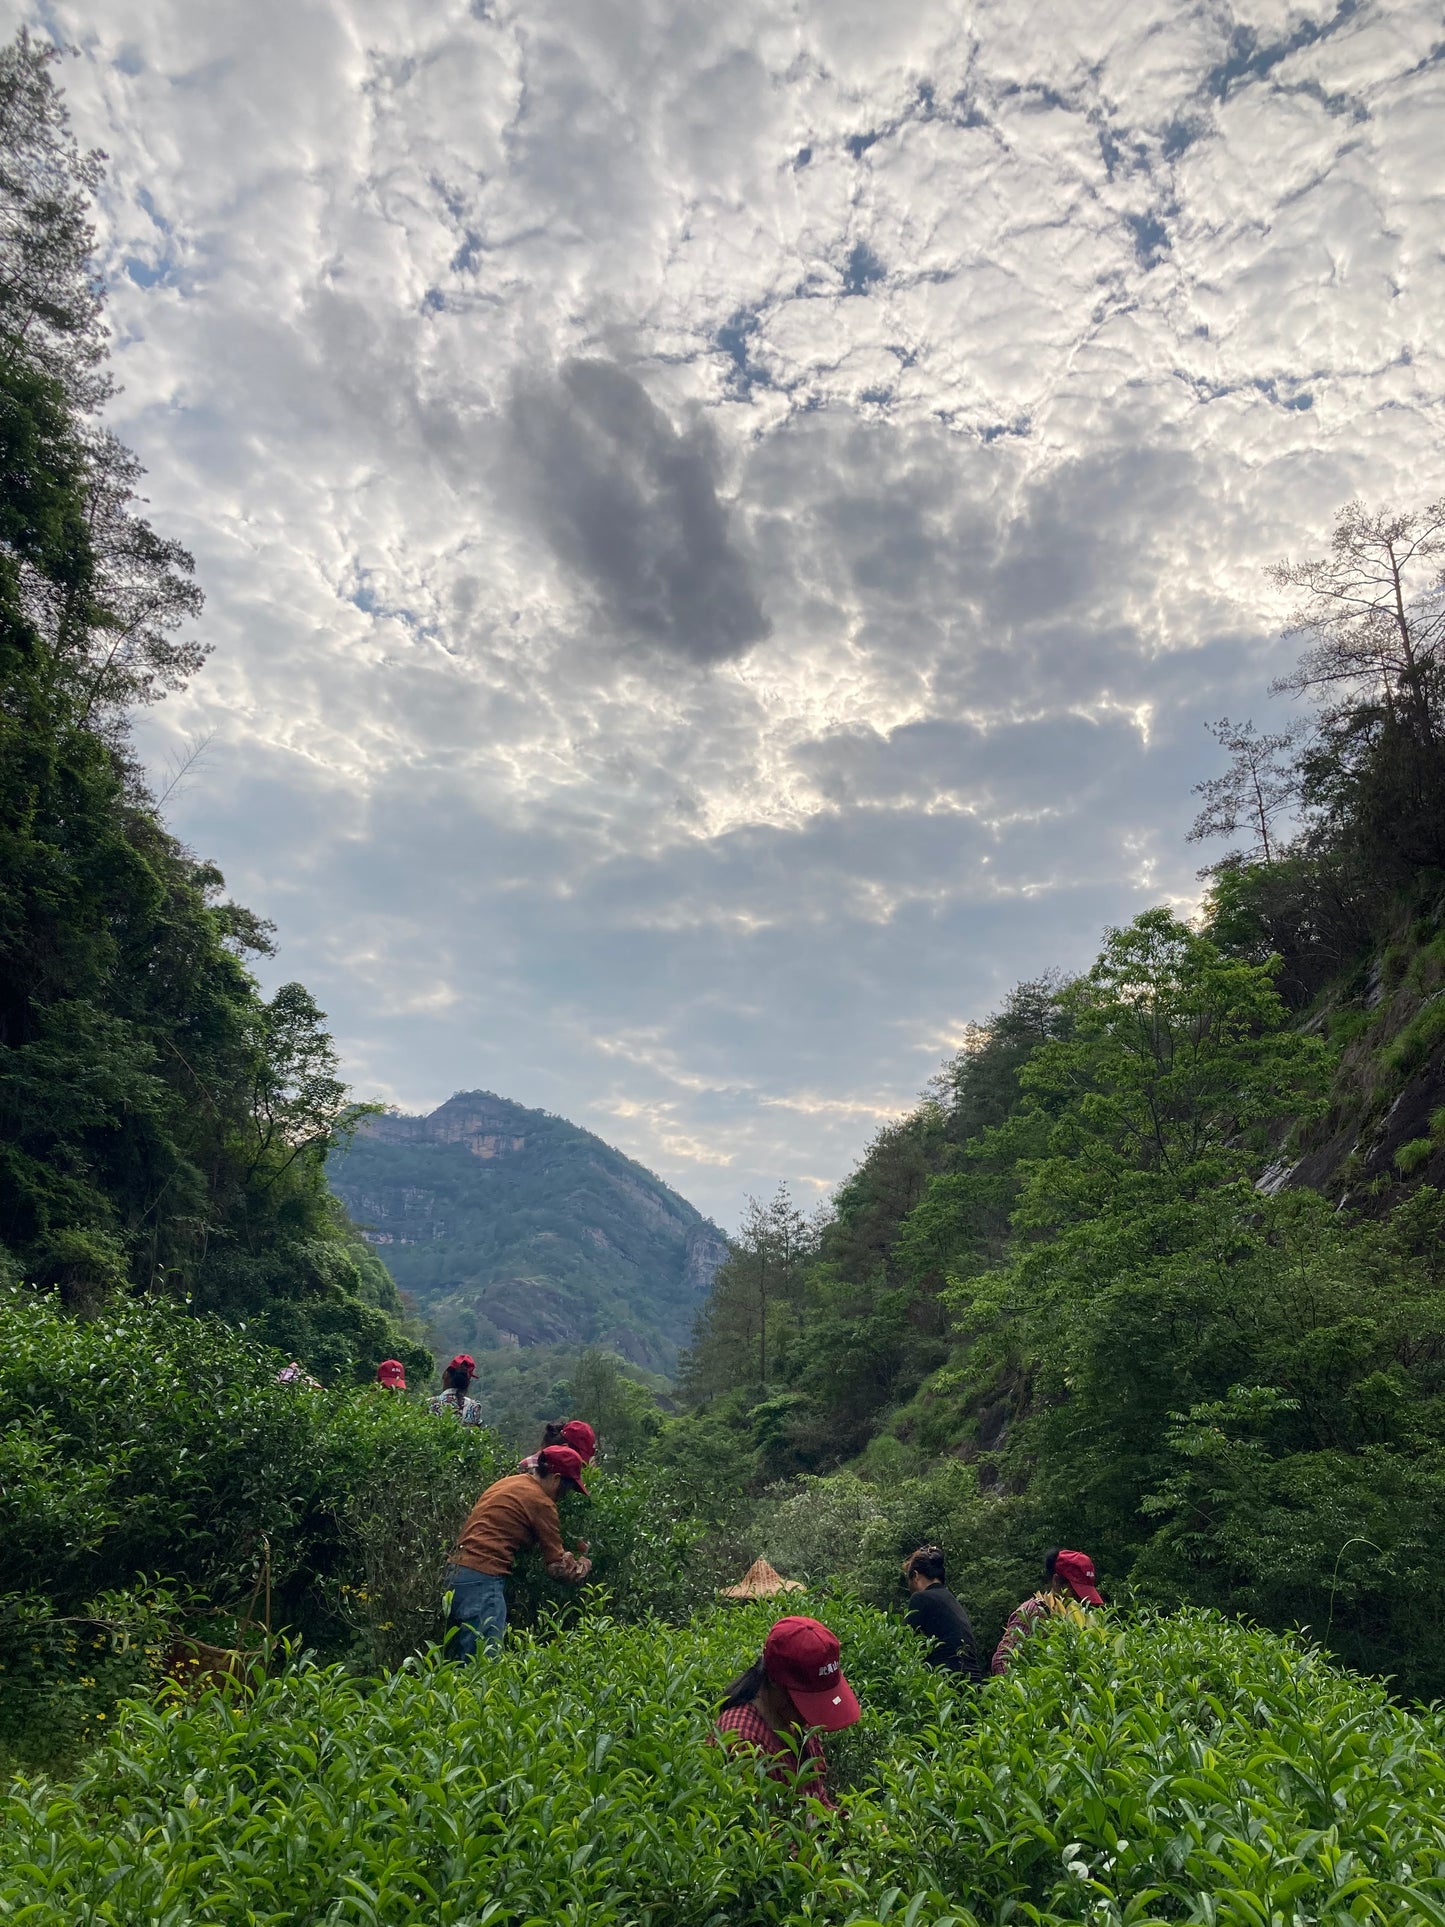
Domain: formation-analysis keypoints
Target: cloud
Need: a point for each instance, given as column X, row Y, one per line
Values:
column 631, row 505
column 723, row 531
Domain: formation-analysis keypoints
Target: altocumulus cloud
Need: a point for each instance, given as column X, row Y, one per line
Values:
column 724, row 526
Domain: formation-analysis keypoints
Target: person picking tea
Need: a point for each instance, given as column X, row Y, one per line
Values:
column 1070, row 1585
column 795, row 1687
column 515, row 1512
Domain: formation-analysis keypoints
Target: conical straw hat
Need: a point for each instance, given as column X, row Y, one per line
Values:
column 761, row 1581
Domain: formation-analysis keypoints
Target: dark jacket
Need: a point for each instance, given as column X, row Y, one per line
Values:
column 938, row 1616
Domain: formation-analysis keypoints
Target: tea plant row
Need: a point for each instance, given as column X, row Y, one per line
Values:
column 1175, row 1769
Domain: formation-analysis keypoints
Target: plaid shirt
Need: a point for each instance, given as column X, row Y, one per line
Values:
column 804, row 1762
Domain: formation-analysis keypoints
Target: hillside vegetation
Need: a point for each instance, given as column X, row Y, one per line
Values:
column 1158, row 1266
column 1142, row 1769
column 512, row 1228
column 164, row 1127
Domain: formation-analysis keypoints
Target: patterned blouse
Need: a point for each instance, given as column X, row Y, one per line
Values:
column 462, row 1407
column 792, row 1760
column 1023, row 1619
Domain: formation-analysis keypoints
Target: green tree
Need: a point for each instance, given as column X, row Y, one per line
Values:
column 1366, row 775
column 51, row 299
column 961, row 1222
column 742, row 1332
column 1374, row 617
column 162, row 1126
column 979, row 1085
column 1139, row 1137
column 1179, row 1062
column 1259, row 785
column 1304, row 1475
column 622, row 1412
column 115, row 629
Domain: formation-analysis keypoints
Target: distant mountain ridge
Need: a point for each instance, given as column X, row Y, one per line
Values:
column 513, row 1228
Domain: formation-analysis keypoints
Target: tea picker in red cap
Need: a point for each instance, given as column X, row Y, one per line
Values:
column 453, row 1394
column 575, row 1432
column 517, row 1511
column 391, row 1375
column 796, row 1686
column 1069, row 1586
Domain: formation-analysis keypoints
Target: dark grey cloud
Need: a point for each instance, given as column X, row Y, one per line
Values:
column 631, row 504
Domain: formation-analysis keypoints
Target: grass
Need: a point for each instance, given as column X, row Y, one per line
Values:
column 1176, row 1769
column 1418, row 1041
column 1411, row 1156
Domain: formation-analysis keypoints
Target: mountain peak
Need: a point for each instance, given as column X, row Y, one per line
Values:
column 512, row 1227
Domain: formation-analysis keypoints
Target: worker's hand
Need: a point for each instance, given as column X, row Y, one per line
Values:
column 580, row 1569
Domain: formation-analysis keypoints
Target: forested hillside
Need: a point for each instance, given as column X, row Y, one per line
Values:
column 1158, row 1267
column 164, row 1127
column 512, row 1228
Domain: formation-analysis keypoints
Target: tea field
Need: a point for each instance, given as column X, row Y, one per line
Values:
column 1169, row 1769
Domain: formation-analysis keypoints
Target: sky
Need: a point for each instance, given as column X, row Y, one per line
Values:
column 724, row 527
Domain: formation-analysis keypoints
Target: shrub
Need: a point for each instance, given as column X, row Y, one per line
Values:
column 149, row 1442
column 398, row 1483
column 61, row 1677
column 147, row 1446
column 1428, row 967
column 1412, row 1049
column 1178, row 1769
column 1411, row 1156
column 1342, row 1542
column 856, row 1532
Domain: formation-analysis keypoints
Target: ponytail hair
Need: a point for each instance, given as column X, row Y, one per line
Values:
column 929, row 1561
column 456, row 1378
column 552, row 1433
column 746, row 1687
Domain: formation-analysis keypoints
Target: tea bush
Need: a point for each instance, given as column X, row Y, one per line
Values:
column 856, row 1532
column 147, row 1447
column 61, row 1676
column 145, row 1441
column 1179, row 1769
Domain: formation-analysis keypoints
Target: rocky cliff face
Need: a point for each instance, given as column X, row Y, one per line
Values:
column 707, row 1253
column 484, row 1124
column 513, row 1228
column 1383, row 1132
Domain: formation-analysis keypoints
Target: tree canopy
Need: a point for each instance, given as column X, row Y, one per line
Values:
column 164, row 1126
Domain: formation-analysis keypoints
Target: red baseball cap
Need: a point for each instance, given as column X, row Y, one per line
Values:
column 561, row 1458
column 1076, row 1569
column 463, row 1362
column 583, row 1440
column 802, row 1656
column 391, row 1371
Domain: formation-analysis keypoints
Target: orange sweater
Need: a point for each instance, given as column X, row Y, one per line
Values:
column 513, row 1513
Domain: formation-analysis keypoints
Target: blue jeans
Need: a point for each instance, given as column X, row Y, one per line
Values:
column 479, row 1607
